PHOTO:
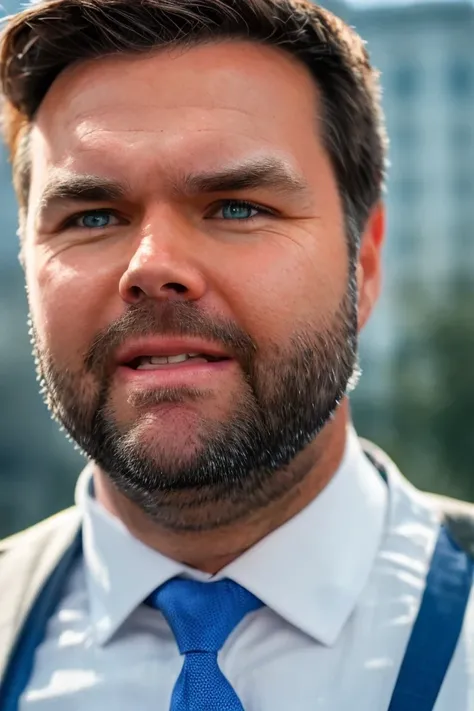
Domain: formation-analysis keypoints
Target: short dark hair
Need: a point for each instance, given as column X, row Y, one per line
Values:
column 41, row 41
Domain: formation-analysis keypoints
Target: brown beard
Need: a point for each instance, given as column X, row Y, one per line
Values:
column 238, row 465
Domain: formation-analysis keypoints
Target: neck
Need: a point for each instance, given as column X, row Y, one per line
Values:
column 211, row 550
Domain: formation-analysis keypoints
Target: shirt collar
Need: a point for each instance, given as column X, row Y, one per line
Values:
column 310, row 571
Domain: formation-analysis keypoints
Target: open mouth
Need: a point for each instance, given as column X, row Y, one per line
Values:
column 155, row 362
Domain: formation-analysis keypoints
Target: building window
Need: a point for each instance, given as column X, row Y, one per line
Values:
column 406, row 137
column 407, row 240
column 406, row 81
column 409, row 191
column 463, row 233
column 462, row 186
column 461, row 137
column 462, row 239
column 460, row 78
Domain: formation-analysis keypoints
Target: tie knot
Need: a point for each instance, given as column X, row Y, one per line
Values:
column 202, row 615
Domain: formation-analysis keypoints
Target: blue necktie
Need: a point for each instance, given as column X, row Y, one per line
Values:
column 202, row 616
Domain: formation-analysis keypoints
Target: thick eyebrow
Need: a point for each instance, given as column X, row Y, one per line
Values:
column 251, row 174
column 78, row 188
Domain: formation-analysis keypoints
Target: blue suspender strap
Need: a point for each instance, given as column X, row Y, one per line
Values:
column 21, row 664
column 437, row 628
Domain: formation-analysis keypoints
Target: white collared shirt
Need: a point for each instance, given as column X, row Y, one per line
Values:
column 341, row 583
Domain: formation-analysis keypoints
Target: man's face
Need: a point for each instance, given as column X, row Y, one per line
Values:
column 183, row 203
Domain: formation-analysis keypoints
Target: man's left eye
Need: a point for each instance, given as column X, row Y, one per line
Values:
column 238, row 210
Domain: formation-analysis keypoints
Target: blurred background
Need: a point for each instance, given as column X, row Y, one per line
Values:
column 416, row 395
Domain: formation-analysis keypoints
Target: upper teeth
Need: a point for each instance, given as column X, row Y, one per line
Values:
column 162, row 360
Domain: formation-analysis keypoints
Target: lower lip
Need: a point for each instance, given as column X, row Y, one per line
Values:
column 188, row 374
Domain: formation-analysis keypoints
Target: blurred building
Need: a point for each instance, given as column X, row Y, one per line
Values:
column 425, row 53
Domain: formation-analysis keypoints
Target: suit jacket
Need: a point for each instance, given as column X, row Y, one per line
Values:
column 28, row 559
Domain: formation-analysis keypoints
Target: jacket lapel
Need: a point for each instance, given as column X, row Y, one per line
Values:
column 26, row 562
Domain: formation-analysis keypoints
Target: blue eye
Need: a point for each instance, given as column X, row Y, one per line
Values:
column 95, row 220
column 238, row 210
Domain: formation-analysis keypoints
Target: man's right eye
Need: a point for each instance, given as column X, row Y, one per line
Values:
column 93, row 220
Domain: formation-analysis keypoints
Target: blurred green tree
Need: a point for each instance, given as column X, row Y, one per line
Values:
column 431, row 432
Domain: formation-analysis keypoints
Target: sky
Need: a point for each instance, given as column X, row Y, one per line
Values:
column 12, row 5
column 377, row 3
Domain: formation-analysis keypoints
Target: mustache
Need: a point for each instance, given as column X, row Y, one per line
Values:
column 167, row 318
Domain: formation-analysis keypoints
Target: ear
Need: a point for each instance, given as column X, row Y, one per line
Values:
column 369, row 263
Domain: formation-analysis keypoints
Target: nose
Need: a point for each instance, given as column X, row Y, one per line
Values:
column 163, row 265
